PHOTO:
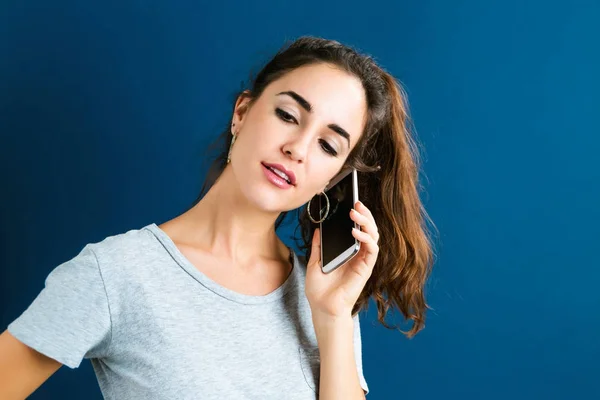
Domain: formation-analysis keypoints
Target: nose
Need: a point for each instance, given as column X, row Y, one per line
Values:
column 293, row 155
column 297, row 147
column 295, row 151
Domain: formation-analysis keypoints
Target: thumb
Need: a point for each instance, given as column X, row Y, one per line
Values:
column 315, row 250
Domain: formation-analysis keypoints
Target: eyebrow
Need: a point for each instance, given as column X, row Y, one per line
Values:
column 308, row 107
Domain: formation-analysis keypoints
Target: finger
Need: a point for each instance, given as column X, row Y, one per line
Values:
column 370, row 246
column 315, row 250
column 367, row 224
column 363, row 210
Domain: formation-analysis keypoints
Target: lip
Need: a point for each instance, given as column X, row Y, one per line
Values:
column 280, row 167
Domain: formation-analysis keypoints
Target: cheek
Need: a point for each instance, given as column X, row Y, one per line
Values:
column 319, row 178
column 266, row 123
column 265, row 137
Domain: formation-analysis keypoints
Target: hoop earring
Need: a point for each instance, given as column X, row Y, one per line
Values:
column 326, row 210
column 230, row 147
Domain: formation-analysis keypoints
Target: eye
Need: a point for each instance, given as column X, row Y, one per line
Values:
column 287, row 117
column 327, row 148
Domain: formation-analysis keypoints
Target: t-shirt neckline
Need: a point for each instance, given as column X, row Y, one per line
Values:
column 218, row 289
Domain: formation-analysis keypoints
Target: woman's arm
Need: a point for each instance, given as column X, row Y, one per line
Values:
column 339, row 376
column 22, row 369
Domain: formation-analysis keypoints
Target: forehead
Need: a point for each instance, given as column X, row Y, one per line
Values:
column 335, row 95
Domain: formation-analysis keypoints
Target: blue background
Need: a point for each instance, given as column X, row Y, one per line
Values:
column 105, row 108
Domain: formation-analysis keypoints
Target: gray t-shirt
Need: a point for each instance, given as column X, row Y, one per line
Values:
column 155, row 327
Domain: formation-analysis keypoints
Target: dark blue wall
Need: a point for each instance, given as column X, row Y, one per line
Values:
column 105, row 108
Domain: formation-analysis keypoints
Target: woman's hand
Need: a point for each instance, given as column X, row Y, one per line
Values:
column 334, row 294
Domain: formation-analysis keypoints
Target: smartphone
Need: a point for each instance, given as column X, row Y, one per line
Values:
column 337, row 243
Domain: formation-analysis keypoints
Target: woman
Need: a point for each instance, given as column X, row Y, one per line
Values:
column 212, row 304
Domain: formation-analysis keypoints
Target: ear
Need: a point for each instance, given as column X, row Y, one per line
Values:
column 241, row 108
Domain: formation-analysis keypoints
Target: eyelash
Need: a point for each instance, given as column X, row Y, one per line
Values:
column 286, row 117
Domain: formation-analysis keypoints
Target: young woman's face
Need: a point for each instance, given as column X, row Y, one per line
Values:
column 278, row 129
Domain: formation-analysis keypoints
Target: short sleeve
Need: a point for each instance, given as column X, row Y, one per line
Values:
column 69, row 319
column 358, row 354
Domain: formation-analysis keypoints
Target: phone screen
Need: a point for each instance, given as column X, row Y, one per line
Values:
column 337, row 227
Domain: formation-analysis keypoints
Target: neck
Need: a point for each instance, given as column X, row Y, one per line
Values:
column 229, row 226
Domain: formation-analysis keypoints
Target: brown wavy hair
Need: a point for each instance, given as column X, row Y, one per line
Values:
column 388, row 162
